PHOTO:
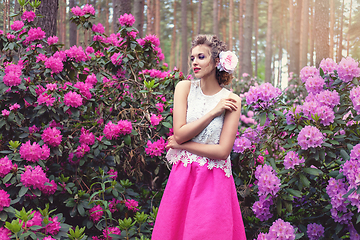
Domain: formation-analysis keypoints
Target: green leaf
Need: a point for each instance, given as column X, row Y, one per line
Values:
column 23, row 191
column 313, row 171
column 81, row 210
column 262, row 118
column 304, row 180
column 167, row 124
column 127, row 139
column 7, row 178
column 344, row 154
column 293, row 192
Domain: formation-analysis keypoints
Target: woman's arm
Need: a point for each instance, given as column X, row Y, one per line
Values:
column 227, row 137
column 184, row 132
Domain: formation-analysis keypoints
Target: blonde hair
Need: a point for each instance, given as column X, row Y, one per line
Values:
column 216, row 46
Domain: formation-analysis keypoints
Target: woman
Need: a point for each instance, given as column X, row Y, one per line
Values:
column 200, row 200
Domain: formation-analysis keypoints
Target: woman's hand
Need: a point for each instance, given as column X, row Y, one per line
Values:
column 171, row 143
column 225, row 104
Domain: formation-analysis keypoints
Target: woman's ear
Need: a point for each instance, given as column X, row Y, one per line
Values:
column 217, row 60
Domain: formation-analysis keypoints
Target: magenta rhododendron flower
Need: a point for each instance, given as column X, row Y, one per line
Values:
column 265, row 93
column 47, row 99
column 348, row 69
column 126, row 20
column 112, row 205
column 355, row 98
column 53, row 227
column 77, row 11
column 4, row 199
column 111, row 230
column 281, row 230
column 328, row 98
column 156, row 148
column 49, row 188
column 310, row 136
column 315, row 231
column 51, row 87
column 12, row 75
column 91, row 80
column 154, row 73
column 155, row 119
column 31, row 152
column 76, row 53
column 315, row 84
column 98, row 28
column 268, row 182
column 131, row 204
column 73, row 99
column 261, row 208
column 34, row 177
column 36, row 220
column 113, row 174
column 5, row 166
column 17, row 25
column 292, row 159
column 328, row 65
column 86, row 137
column 308, row 72
column 41, row 58
column 116, row 59
column 28, row 16
column 5, row 233
column 241, row 144
column 153, row 39
column 84, row 89
column 14, row 107
column 96, row 213
column 5, row 113
column 52, row 136
column 82, row 150
column 113, row 131
column 89, row 9
column 55, row 64
column 35, row 34
column 52, row 40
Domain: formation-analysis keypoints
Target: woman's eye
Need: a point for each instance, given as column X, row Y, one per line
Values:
column 192, row 59
column 201, row 57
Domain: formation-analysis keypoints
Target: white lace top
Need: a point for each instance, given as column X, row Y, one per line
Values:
column 198, row 105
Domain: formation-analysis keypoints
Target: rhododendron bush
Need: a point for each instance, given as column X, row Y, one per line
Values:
column 78, row 127
column 301, row 156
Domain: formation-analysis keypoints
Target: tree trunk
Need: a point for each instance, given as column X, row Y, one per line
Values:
column 332, row 26
column 339, row 55
column 296, row 39
column 231, row 20
column 321, row 30
column 291, row 33
column 184, row 48
column 107, row 14
column 248, row 30
column 149, row 25
column 312, row 33
column 198, row 30
column 222, row 17
column 49, row 10
column 215, row 22
column 65, row 20
column 173, row 40
column 192, row 20
column 72, row 27
column 241, row 37
column 157, row 18
column 304, row 34
column 256, row 32
column 139, row 16
column 120, row 7
column 268, row 51
column 348, row 34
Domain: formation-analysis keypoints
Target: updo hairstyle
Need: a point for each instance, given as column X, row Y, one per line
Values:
column 216, row 46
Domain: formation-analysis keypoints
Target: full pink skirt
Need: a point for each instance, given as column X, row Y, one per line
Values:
column 199, row 203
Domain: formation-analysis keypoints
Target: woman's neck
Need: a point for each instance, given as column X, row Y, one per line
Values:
column 209, row 85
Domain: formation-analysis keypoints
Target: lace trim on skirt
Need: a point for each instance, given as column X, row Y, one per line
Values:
column 179, row 155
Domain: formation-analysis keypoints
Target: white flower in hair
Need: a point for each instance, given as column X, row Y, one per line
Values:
column 228, row 61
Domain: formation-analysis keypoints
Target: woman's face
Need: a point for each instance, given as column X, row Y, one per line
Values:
column 201, row 61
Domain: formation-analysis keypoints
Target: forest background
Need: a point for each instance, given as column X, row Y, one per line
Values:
column 272, row 38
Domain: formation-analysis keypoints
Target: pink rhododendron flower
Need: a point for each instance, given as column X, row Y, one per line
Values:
column 116, row 58
column 131, row 204
column 86, row 137
column 91, row 80
column 31, row 152
column 98, row 28
column 5, row 113
column 132, row 34
column 160, row 107
column 261, row 208
column 153, row 39
column 268, row 182
column 55, row 64
column 154, row 73
column 315, row 231
column 53, row 227
column 10, row 36
column 12, row 75
column 49, row 188
column 35, row 221
column 241, row 144
column 112, row 205
column 46, row 99
column 113, row 174
column 113, row 131
column 315, row 84
column 76, row 53
column 328, row 98
column 348, row 69
column 35, row 34
column 28, row 16
column 5, row 233
column 292, row 159
column 77, row 11
column 5, row 166
column 81, row 150
column 52, row 136
column 355, row 98
column 52, row 40
column 155, row 119
column 266, row 93
column 156, row 148
column 17, row 25
column 96, row 213
column 310, row 136
column 307, row 72
column 111, row 230
column 14, row 107
column 34, row 177
column 281, row 230
column 73, row 99
column 84, row 89
column 126, row 20
column 88, row 9
column 4, row 199
column 41, row 58
column 328, row 65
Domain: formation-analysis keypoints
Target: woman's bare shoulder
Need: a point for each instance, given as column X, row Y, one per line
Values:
column 183, row 86
column 235, row 97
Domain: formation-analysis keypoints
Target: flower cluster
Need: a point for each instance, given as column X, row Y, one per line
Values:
column 98, row 28
column 111, row 230
column 12, row 75
column 156, row 148
column 52, row 136
column 348, row 69
column 351, row 168
column 35, row 34
column 33, row 152
column 155, row 119
column 86, row 137
column 265, row 93
column 355, row 98
column 315, row 231
column 116, row 59
column 154, row 73
column 55, row 64
column 336, row 189
column 315, row 84
column 131, row 204
column 52, row 40
column 36, row 178
column 76, row 53
column 328, row 65
column 53, row 227
column 87, row 9
column 96, row 213
column 73, row 99
column 4, row 199
column 292, row 159
column 310, row 136
column 261, row 208
column 113, row 131
column 281, row 230
column 308, row 72
column 5, row 166
column 241, row 144
column 28, row 16
column 126, row 20
column 17, row 25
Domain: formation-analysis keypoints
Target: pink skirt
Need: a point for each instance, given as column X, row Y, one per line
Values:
column 199, row 203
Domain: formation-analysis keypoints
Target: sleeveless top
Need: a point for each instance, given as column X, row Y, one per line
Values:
column 198, row 104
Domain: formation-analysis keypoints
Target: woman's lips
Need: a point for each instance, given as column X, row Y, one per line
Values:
column 196, row 70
